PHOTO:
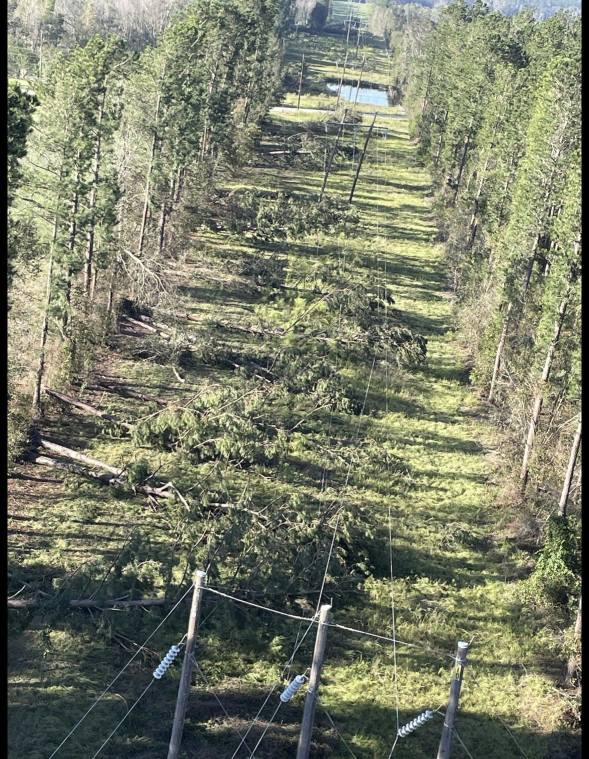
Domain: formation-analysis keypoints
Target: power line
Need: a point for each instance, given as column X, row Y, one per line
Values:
column 258, row 606
column 109, row 686
column 218, row 700
column 268, row 726
column 253, row 722
column 462, row 744
column 388, row 639
column 313, row 620
column 151, row 682
column 338, row 733
column 337, row 521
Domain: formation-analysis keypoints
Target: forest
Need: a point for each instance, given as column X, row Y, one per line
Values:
column 294, row 300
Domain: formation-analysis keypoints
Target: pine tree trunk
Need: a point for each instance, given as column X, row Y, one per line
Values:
column 473, row 219
column 146, row 201
column 427, row 86
column 205, row 133
column 92, row 205
column 341, row 81
column 166, row 213
column 441, row 140
column 71, row 247
column 301, row 82
column 566, row 488
column 499, row 353
column 462, row 162
column 504, row 194
column 539, row 397
column 507, row 322
column 45, row 326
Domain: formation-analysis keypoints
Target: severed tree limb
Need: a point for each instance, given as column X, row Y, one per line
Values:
column 67, row 453
column 114, row 476
column 126, row 392
column 90, row 603
column 86, row 407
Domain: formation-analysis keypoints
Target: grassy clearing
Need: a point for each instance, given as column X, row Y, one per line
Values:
column 455, row 576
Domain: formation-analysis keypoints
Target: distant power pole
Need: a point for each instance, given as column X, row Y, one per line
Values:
column 332, row 155
column 446, row 740
column 184, row 687
column 303, row 751
column 301, row 82
column 361, row 160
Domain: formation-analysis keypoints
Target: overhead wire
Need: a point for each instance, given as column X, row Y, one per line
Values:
column 457, row 734
column 112, row 682
column 390, row 524
column 255, row 719
column 314, row 620
column 218, row 700
column 268, row 726
column 151, row 682
column 337, row 731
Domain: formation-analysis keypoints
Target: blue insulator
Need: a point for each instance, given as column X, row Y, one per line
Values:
column 292, row 688
column 166, row 662
column 415, row 723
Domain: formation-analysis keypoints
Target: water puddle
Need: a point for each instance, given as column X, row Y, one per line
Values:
column 366, row 95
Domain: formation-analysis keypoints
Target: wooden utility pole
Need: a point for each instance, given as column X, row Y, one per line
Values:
column 446, row 740
column 361, row 160
column 359, row 81
column 566, row 488
column 332, row 155
column 301, row 82
column 184, row 687
column 341, row 81
column 304, row 748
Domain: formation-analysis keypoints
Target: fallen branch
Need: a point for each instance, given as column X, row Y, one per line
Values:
column 90, row 603
column 86, row 407
column 127, row 392
column 82, row 458
column 106, row 479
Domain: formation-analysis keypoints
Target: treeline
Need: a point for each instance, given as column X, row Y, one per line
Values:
column 122, row 150
column 540, row 8
column 37, row 27
column 496, row 106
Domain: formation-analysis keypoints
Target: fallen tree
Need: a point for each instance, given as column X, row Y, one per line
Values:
column 108, row 475
column 90, row 603
column 86, row 408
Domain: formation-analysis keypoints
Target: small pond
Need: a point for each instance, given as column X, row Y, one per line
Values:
column 366, row 95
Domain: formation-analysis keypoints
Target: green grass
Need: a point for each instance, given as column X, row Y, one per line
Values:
column 455, row 575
